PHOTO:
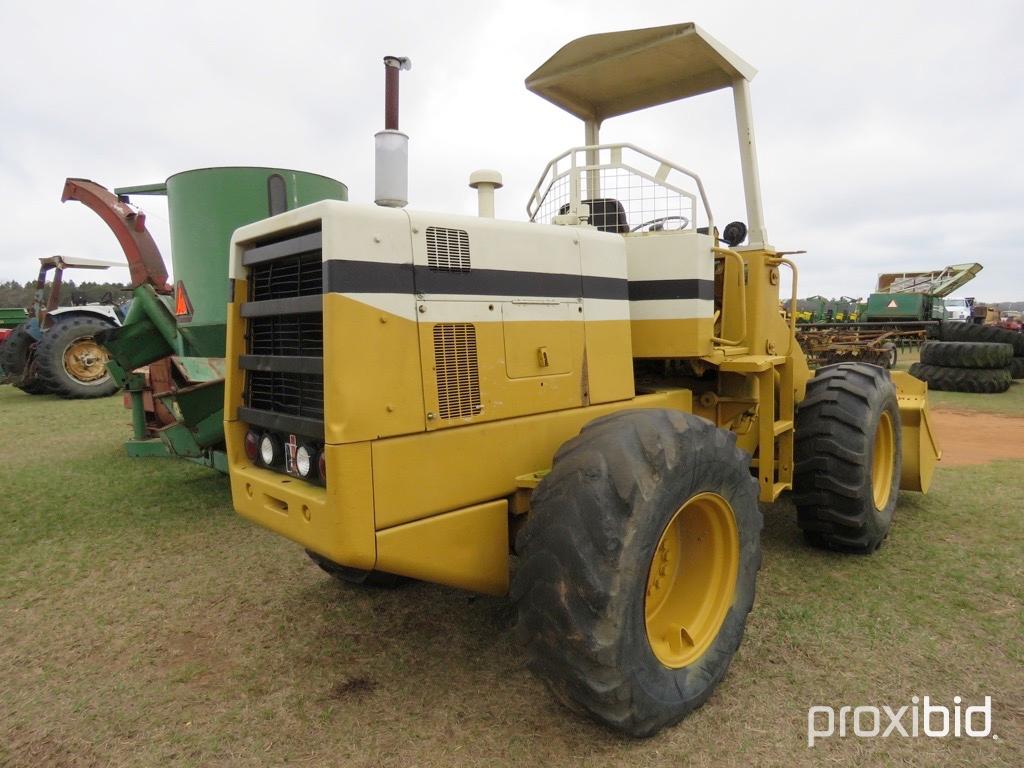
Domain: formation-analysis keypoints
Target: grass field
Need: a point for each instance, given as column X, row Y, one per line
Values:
column 143, row 623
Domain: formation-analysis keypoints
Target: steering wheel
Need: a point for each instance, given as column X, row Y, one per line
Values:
column 658, row 224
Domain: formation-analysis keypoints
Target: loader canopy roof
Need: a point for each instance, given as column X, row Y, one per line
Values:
column 601, row 76
column 75, row 261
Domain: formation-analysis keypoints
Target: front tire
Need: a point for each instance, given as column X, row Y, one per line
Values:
column 848, row 457
column 612, row 623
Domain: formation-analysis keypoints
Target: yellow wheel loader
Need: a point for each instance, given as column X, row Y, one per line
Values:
column 582, row 411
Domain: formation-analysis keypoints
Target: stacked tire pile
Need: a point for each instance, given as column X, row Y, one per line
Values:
column 971, row 358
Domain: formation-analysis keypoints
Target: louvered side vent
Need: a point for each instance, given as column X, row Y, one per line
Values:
column 447, row 249
column 458, row 376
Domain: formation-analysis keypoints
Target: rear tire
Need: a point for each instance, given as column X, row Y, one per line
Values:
column 356, row 575
column 71, row 363
column 602, row 630
column 966, row 354
column 976, row 380
column 847, row 457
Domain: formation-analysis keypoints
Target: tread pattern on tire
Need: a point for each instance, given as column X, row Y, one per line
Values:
column 579, row 565
column 1017, row 368
column 966, row 354
column 15, row 354
column 50, row 364
column 954, row 331
column 834, row 441
column 13, row 351
column 976, row 380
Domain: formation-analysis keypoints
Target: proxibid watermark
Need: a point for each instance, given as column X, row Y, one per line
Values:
column 919, row 718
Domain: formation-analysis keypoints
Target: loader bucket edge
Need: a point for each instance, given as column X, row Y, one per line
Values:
column 920, row 448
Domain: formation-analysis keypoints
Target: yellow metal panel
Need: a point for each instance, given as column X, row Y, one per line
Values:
column 672, row 338
column 541, row 347
column 920, row 448
column 500, row 396
column 371, row 372
column 750, row 363
column 467, row 548
column 421, row 475
column 337, row 521
column 609, row 364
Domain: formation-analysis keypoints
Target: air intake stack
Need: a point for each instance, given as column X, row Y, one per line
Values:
column 392, row 146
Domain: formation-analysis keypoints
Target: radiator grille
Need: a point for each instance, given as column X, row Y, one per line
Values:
column 458, row 375
column 288, row 277
column 287, row 335
column 290, row 394
column 284, row 268
column 447, row 249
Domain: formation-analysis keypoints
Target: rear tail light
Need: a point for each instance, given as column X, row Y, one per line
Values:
column 252, row 445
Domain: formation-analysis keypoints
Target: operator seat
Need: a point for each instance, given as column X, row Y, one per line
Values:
column 606, row 213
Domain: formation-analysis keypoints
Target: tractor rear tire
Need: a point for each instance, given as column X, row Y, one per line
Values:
column 954, row 331
column 71, row 363
column 847, row 458
column 356, row 575
column 611, row 623
column 966, row 354
column 1017, row 368
column 33, row 386
column 977, row 380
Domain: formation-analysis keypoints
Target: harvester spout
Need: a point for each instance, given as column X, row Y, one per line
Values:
column 128, row 224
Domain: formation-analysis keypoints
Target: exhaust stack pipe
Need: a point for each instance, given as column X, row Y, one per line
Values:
column 392, row 146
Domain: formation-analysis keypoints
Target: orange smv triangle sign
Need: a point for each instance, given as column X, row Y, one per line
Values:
column 182, row 306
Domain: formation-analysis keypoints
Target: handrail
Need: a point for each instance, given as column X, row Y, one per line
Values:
column 536, row 199
column 792, row 301
column 743, row 298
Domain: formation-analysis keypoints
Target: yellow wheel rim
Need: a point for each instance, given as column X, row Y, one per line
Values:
column 882, row 461
column 692, row 580
column 85, row 360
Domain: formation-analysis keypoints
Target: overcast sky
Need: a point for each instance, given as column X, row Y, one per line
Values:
column 888, row 133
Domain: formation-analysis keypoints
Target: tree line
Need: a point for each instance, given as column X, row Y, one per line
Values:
column 15, row 294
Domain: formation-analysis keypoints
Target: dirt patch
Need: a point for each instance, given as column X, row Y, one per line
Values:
column 968, row 437
column 353, row 687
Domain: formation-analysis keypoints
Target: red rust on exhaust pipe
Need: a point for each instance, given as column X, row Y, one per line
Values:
column 392, row 66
